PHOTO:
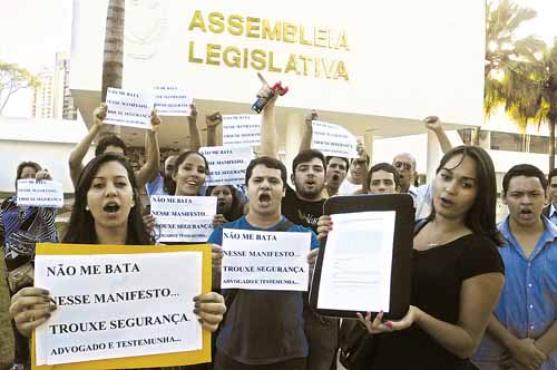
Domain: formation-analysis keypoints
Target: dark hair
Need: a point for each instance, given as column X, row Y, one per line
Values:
column 551, row 174
column 169, row 185
column 383, row 166
column 111, row 140
column 306, row 156
column 22, row 165
column 344, row 159
column 236, row 208
column 268, row 162
column 182, row 157
column 526, row 170
column 366, row 158
column 480, row 218
column 81, row 227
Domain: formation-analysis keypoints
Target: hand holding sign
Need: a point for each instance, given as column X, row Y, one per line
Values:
column 210, row 308
column 43, row 175
column 30, row 308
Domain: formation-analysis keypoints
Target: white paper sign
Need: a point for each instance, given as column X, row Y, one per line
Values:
column 356, row 270
column 333, row 140
column 183, row 219
column 241, row 130
column 227, row 166
column 44, row 193
column 261, row 260
column 172, row 101
column 118, row 305
column 129, row 108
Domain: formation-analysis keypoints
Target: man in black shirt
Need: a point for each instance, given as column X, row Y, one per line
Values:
column 304, row 206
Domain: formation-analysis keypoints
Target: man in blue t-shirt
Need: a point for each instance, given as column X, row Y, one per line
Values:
column 263, row 329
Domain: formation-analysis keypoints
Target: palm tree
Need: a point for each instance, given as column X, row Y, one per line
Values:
column 520, row 75
column 529, row 88
column 113, row 58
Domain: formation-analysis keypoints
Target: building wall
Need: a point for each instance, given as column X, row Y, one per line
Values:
column 400, row 55
column 47, row 142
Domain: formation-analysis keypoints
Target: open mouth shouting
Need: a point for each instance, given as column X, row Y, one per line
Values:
column 264, row 199
column 111, row 207
column 526, row 214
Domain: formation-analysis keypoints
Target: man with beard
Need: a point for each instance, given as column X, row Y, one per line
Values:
column 304, row 206
column 336, row 167
column 522, row 331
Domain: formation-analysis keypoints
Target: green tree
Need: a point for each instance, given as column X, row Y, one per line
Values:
column 12, row 79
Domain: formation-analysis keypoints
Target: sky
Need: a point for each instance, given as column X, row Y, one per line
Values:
column 34, row 30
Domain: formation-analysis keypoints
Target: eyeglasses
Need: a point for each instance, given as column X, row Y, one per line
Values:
column 406, row 166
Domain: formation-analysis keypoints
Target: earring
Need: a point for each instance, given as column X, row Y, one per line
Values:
column 87, row 208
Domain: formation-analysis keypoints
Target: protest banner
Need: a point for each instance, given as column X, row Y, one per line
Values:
column 241, row 130
column 262, row 260
column 333, row 140
column 172, row 101
column 121, row 306
column 227, row 166
column 183, row 219
column 128, row 108
column 44, row 193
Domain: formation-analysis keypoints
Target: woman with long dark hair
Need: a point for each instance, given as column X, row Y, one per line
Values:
column 106, row 211
column 229, row 205
column 457, row 274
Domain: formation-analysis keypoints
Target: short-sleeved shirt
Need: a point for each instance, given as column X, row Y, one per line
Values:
column 301, row 212
column 437, row 277
column 528, row 303
column 348, row 188
column 263, row 327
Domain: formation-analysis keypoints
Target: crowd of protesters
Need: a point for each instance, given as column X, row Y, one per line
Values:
column 483, row 295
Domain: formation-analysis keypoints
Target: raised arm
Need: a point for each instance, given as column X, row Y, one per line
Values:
column 80, row 151
column 308, row 130
column 212, row 121
column 151, row 166
column 433, row 123
column 195, row 137
column 269, row 137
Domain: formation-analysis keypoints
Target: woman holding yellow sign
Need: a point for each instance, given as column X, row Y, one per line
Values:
column 106, row 212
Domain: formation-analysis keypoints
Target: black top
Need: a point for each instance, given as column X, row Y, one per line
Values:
column 301, row 212
column 437, row 278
